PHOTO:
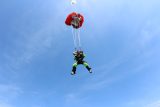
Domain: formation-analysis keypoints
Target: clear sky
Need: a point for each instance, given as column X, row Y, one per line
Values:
column 121, row 39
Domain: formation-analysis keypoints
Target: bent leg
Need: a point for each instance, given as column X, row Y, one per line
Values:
column 87, row 66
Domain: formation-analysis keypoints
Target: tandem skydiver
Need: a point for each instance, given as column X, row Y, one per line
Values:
column 78, row 57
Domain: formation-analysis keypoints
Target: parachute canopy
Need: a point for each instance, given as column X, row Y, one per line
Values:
column 74, row 19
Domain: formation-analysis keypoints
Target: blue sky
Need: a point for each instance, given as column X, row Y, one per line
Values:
column 121, row 39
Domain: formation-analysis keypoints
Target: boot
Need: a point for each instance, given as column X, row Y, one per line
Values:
column 89, row 69
column 73, row 71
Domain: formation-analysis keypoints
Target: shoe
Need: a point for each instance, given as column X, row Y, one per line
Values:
column 72, row 73
column 90, row 71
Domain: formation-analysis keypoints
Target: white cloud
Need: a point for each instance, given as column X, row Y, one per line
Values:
column 2, row 104
column 149, row 32
column 73, row 99
column 142, row 103
column 154, row 104
column 32, row 45
column 9, row 92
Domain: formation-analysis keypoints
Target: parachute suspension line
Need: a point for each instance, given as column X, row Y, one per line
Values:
column 73, row 37
column 79, row 39
column 76, row 38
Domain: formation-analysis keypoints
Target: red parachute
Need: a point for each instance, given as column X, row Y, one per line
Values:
column 74, row 19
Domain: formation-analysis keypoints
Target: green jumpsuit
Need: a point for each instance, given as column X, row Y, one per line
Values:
column 78, row 57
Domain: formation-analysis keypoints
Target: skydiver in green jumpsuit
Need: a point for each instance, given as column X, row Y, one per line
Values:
column 78, row 57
